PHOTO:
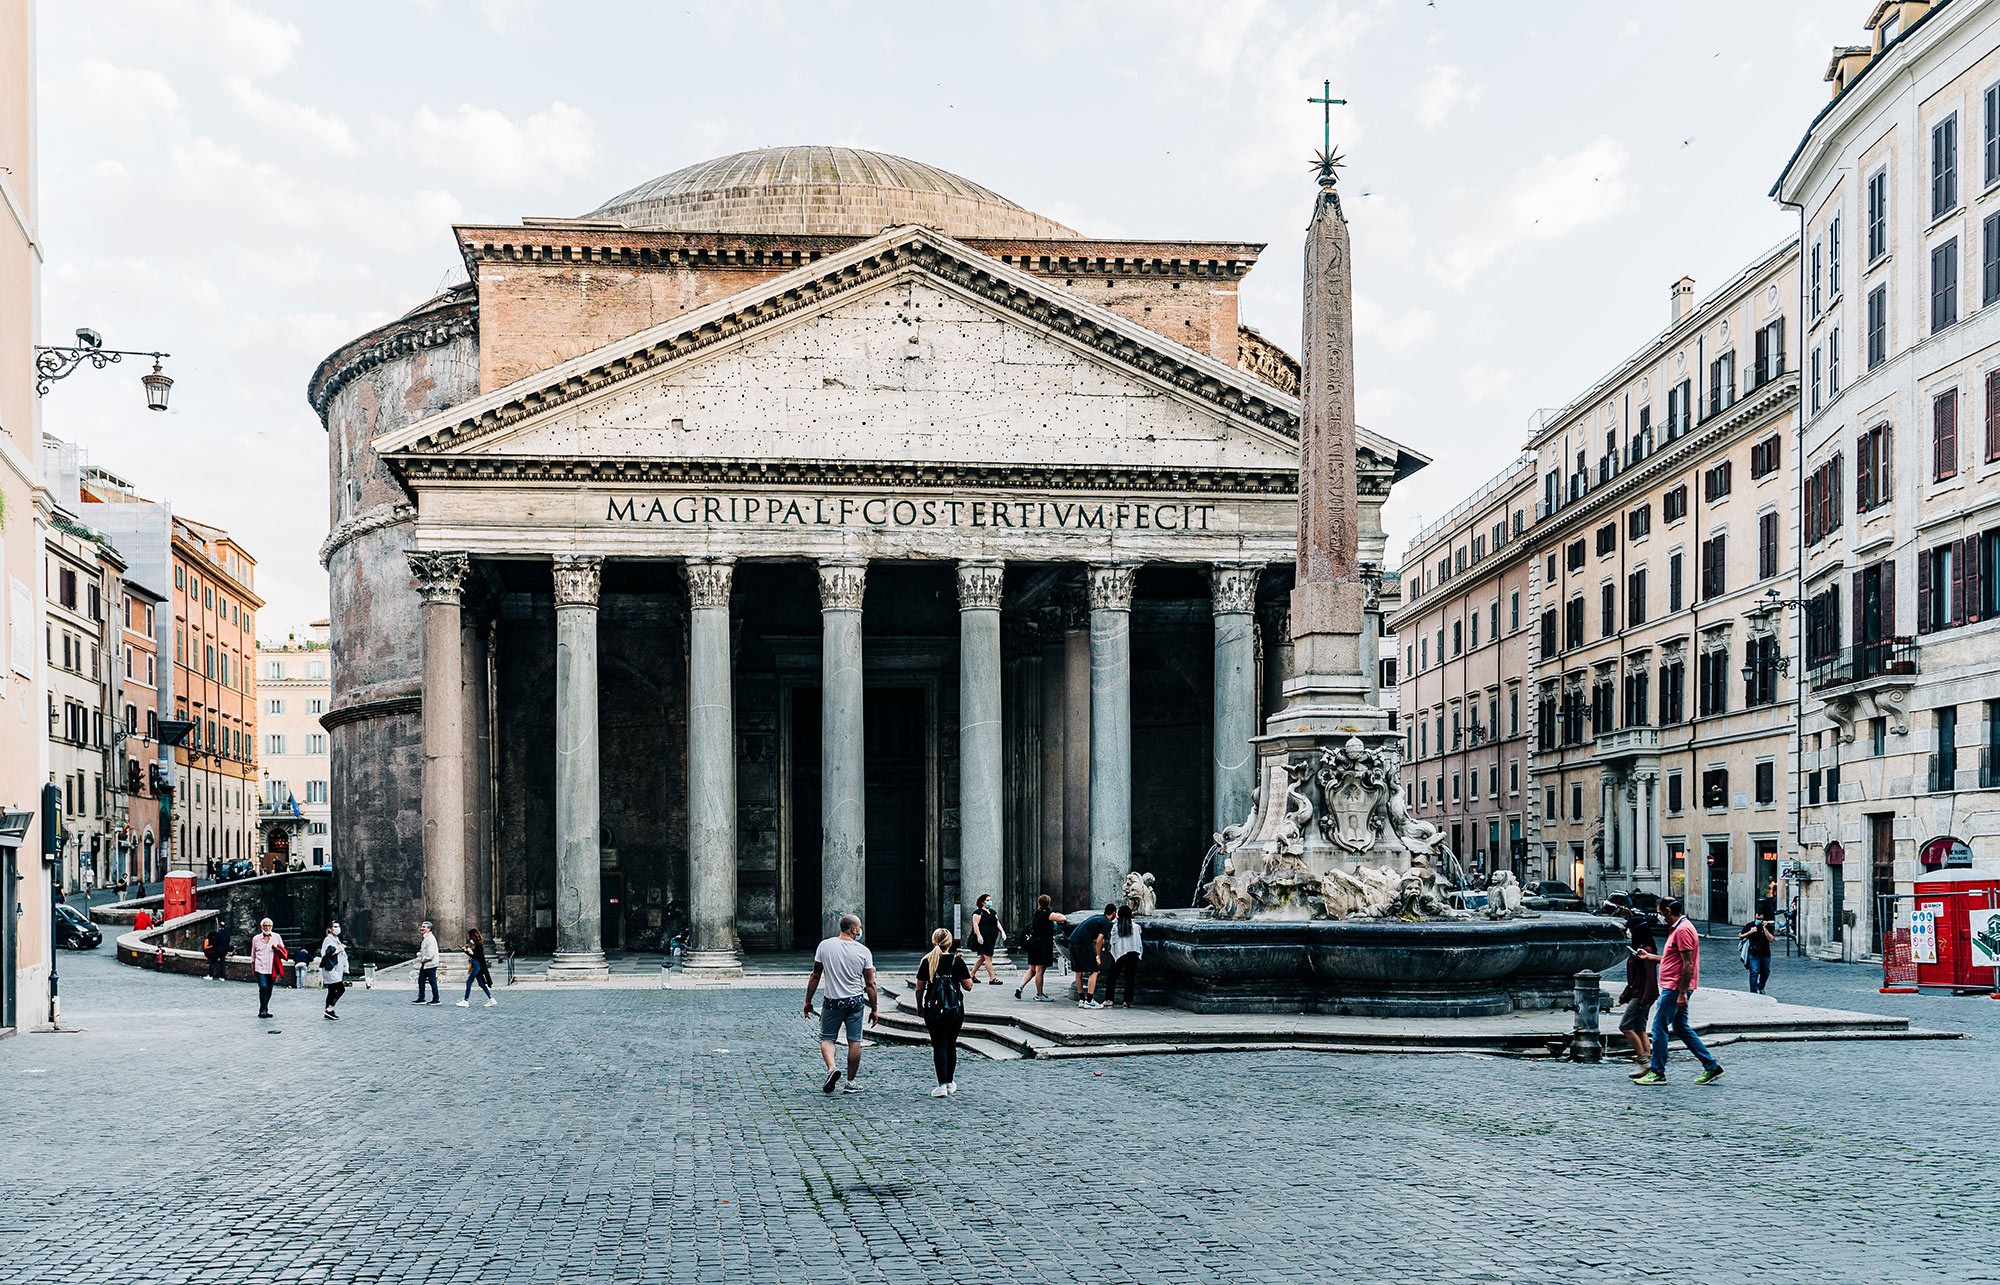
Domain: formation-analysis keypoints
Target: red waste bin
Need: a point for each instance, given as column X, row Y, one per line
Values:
column 180, row 894
column 1955, row 895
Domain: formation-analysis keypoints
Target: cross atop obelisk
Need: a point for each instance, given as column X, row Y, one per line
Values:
column 1328, row 613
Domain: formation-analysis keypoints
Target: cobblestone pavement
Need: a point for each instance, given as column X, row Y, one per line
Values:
column 614, row 1136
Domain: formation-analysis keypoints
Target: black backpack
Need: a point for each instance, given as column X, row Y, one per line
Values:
column 943, row 996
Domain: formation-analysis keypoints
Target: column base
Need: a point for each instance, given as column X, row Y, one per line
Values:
column 718, row 964
column 578, row 966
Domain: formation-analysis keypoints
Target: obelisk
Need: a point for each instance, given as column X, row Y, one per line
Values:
column 1327, row 691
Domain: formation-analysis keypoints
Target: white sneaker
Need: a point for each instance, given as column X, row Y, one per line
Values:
column 490, row 1001
column 951, row 1086
column 852, row 1086
column 941, row 1090
column 465, row 1003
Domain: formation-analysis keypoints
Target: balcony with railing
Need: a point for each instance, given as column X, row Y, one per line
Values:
column 1888, row 658
column 1627, row 742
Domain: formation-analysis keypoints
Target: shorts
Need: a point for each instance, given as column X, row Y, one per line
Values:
column 1635, row 1015
column 1083, row 962
column 835, row 1013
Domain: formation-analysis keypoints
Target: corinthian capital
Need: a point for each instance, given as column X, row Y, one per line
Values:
column 841, row 582
column 708, row 581
column 980, row 582
column 1233, row 587
column 1111, row 587
column 577, row 578
column 440, row 576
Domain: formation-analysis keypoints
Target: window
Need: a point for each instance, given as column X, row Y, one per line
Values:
column 1993, row 414
column 1574, row 555
column 1871, row 469
column 1457, row 637
column 1678, row 409
column 1992, row 105
column 1944, row 762
column 1715, row 788
column 1549, row 632
column 1818, row 305
column 1573, row 623
column 66, row 587
column 1513, row 711
column 1607, row 609
column 1722, row 383
column 1639, row 522
column 1989, row 259
column 1944, row 286
column 1638, row 699
column 1764, row 457
column 1674, row 594
column 1833, row 362
column 1495, row 630
column 1635, row 599
column 1673, row 691
column 1944, row 166
column 1716, row 482
column 1714, row 567
column 1944, row 435
column 1711, row 682
column 1576, row 802
column 274, row 706
column 1878, row 214
column 1674, row 792
column 316, row 741
column 274, row 743
column 1820, row 501
column 1674, row 504
column 1833, row 256
column 1607, row 539
column 274, row 669
column 1765, row 782
column 1767, row 545
column 1770, row 352
column 1813, row 383
column 1760, row 668
column 1513, row 611
column 1602, row 694
column 1878, row 326
column 1823, row 626
column 1941, row 576
column 315, row 791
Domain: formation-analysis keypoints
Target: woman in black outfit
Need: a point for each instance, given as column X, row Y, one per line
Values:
column 1041, row 947
column 942, row 980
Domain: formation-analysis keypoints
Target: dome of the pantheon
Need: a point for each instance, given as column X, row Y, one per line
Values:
column 827, row 191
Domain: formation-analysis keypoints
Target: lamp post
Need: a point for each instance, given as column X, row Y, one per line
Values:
column 53, row 362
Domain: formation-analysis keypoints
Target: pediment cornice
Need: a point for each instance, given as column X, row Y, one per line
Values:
column 1235, row 394
column 774, row 471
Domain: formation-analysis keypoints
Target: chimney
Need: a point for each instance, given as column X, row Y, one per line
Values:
column 1683, row 299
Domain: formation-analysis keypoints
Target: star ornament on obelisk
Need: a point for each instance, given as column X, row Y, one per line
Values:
column 1327, row 686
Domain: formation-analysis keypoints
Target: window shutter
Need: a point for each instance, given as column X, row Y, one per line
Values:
column 1993, row 414
column 1864, row 472
column 1763, row 353
column 1833, row 617
column 1833, row 486
column 1923, row 591
column 1969, row 552
column 1957, row 615
column 1860, row 625
column 1889, row 597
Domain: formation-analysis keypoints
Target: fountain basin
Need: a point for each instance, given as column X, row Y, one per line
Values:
column 1375, row 968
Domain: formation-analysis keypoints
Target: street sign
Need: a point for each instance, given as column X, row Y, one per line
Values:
column 1985, row 926
column 1923, row 936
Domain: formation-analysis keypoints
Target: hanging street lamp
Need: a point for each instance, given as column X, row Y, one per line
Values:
column 57, row 362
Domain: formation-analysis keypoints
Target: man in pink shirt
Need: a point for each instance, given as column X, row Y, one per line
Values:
column 267, row 949
column 1680, row 972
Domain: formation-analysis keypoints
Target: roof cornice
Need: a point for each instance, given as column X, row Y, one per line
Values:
column 679, row 470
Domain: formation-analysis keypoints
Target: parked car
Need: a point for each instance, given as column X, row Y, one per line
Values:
column 238, row 869
column 1469, row 899
column 1551, row 894
column 74, row 931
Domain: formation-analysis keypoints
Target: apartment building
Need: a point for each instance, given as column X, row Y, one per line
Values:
column 215, row 689
column 295, row 684
column 1462, row 692
column 136, row 736
column 1641, row 689
column 1897, row 188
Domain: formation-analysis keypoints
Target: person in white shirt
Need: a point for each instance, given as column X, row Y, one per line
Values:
column 1125, row 947
column 267, row 961
column 335, row 973
column 849, row 970
column 427, row 964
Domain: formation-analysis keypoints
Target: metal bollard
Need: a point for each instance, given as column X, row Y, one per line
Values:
column 1585, row 1044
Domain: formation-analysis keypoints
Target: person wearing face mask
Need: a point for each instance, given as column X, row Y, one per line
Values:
column 333, row 968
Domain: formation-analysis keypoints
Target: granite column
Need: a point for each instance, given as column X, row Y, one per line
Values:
column 714, row 948
column 1233, row 760
column 579, row 904
column 440, row 578
column 1110, row 731
column 981, row 784
column 843, row 779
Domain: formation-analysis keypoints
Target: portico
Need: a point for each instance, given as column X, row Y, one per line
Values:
column 907, row 574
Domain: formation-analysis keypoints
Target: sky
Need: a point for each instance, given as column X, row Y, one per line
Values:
column 248, row 185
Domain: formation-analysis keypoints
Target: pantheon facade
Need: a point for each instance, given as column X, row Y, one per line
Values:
column 806, row 531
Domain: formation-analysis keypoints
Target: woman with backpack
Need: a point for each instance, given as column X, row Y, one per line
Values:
column 942, row 980
column 333, row 969
column 476, row 969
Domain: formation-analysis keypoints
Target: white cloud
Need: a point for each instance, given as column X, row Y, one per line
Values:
column 119, row 99
column 294, row 122
column 487, row 147
column 1443, row 92
column 259, row 203
column 1373, row 323
column 1479, row 384
column 237, row 37
column 1547, row 201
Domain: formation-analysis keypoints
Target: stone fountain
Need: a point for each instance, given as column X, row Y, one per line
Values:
column 1329, row 896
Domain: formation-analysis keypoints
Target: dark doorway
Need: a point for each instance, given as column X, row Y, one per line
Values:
column 611, row 898
column 803, row 800
column 1882, row 865
column 893, row 736
column 1718, row 881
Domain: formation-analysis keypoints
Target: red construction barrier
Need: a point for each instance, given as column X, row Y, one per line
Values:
column 1899, row 971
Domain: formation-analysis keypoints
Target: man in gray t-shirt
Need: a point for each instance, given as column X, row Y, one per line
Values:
column 849, row 970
